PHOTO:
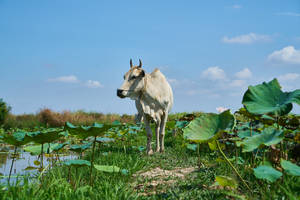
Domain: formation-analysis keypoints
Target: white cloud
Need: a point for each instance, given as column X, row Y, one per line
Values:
column 238, row 83
column 246, row 39
column 244, row 74
column 191, row 92
column 214, row 73
column 173, row 81
column 236, row 6
column 288, row 55
column 65, row 79
column 288, row 77
column 93, row 84
column 221, row 109
column 289, row 14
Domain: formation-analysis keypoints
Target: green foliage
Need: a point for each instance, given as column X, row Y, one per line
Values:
column 268, row 137
column 290, row 167
column 4, row 110
column 267, row 98
column 267, row 173
column 208, row 126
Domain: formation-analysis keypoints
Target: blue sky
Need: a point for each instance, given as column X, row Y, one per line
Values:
column 70, row 55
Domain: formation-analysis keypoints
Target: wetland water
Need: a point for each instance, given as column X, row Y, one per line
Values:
column 22, row 161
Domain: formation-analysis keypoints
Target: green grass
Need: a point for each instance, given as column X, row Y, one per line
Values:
column 196, row 185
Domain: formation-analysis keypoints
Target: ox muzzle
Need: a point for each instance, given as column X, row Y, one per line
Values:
column 120, row 93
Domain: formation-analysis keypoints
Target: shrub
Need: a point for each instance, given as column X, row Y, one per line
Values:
column 4, row 110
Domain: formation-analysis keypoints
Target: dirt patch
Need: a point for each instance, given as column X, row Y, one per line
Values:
column 156, row 180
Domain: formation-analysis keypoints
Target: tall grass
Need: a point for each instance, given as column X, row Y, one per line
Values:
column 48, row 118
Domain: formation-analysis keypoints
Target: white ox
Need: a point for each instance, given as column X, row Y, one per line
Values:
column 153, row 99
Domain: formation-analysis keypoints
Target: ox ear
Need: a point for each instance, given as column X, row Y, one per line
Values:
column 140, row 65
column 130, row 63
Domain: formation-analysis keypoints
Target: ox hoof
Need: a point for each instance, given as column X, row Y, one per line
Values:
column 150, row 152
column 162, row 151
column 157, row 150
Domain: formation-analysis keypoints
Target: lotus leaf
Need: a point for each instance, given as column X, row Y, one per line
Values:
column 192, row 147
column 77, row 163
column 80, row 147
column 267, row 98
column 87, row 131
column 36, row 149
column 268, row 137
column 181, row 124
column 226, row 181
column 124, row 171
column 17, row 138
column 290, row 167
column 247, row 133
column 267, row 172
column 141, row 148
column 208, row 126
column 104, row 139
column 107, row 168
column 46, row 136
column 30, row 168
column 116, row 123
column 59, row 146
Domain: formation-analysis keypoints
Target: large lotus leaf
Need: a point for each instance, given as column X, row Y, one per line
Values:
column 246, row 133
column 47, row 148
column 268, row 137
column 36, row 149
column 208, row 126
column 77, row 163
column 290, row 167
column 86, row 131
column 181, row 124
column 267, row 98
column 46, row 136
column 80, row 147
column 17, row 138
column 267, row 172
column 107, row 168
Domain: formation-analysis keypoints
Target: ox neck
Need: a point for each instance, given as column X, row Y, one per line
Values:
column 143, row 91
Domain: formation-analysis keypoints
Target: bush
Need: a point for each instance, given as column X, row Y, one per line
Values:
column 4, row 110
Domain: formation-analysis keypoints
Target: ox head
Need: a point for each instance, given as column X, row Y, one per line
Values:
column 133, row 82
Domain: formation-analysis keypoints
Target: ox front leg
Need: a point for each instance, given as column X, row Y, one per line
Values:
column 157, row 131
column 162, row 132
column 149, row 135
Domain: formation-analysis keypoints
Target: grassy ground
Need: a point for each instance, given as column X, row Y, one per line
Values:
column 194, row 185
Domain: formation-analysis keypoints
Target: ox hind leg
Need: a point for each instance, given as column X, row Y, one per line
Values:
column 162, row 131
column 157, row 131
column 147, row 121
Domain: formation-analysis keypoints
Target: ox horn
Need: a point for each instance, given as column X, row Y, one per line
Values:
column 140, row 65
column 130, row 63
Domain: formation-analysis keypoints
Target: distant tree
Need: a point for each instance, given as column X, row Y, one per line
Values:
column 4, row 110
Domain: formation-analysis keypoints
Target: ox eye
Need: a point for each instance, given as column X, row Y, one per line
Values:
column 133, row 77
